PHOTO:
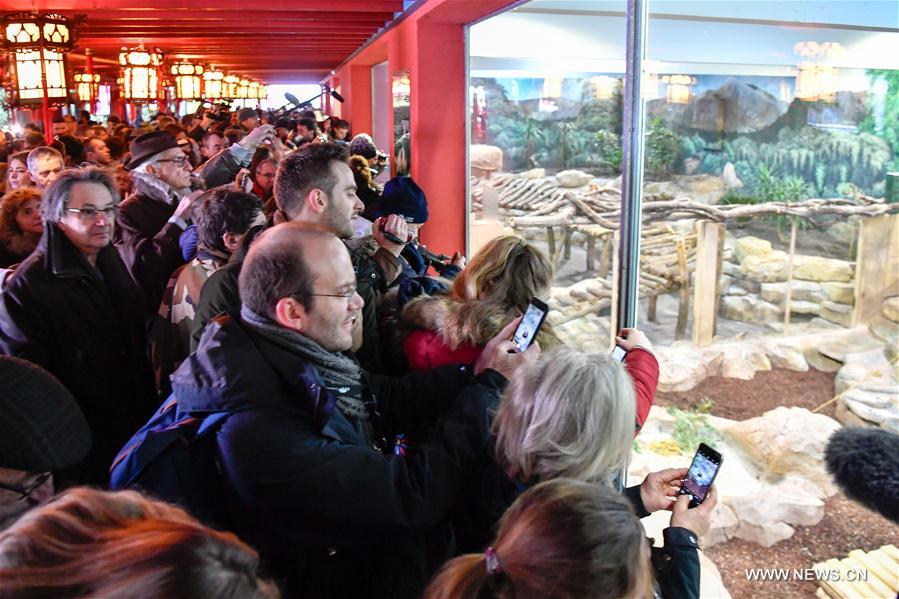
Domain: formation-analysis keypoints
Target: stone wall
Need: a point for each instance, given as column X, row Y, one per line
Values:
column 754, row 286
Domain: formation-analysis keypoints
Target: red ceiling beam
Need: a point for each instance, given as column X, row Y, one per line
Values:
column 348, row 6
column 218, row 22
column 114, row 16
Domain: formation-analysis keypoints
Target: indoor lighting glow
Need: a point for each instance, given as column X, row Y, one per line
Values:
column 141, row 73
column 38, row 43
column 188, row 81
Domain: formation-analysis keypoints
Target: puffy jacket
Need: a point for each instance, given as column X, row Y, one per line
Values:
column 331, row 516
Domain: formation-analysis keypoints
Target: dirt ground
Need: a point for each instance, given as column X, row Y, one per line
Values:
column 846, row 524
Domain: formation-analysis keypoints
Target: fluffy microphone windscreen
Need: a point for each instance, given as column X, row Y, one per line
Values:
column 865, row 464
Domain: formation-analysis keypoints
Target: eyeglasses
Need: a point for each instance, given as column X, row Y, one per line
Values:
column 179, row 161
column 345, row 295
column 90, row 214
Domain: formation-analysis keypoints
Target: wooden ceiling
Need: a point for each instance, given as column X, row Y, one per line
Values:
column 273, row 41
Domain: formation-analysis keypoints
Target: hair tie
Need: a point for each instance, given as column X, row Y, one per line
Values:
column 494, row 567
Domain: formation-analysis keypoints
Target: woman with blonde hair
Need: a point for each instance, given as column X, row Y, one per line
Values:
column 562, row 539
column 20, row 225
column 90, row 543
column 495, row 287
column 574, row 415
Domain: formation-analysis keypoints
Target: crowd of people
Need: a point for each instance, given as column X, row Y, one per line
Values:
column 230, row 368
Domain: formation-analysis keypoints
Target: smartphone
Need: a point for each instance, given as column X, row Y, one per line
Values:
column 701, row 474
column 618, row 354
column 530, row 324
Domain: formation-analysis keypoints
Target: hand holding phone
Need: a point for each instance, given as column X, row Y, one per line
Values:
column 701, row 474
column 382, row 224
column 530, row 324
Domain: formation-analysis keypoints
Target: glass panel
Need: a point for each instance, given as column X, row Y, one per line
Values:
column 545, row 99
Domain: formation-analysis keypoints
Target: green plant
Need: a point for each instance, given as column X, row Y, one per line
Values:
column 662, row 149
column 692, row 428
column 608, row 148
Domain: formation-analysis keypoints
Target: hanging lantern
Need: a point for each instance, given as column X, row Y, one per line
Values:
column 87, row 86
column 229, row 86
column 188, row 80
column 263, row 92
column 212, row 84
column 680, row 88
column 39, row 43
column 142, row 74
column 243, row 89
column 253, row 90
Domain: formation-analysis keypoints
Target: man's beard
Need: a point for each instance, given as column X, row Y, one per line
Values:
column 339, row 225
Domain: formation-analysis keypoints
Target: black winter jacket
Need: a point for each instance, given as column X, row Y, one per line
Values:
column 87, row 329
column 220, row 294
column 331, row 516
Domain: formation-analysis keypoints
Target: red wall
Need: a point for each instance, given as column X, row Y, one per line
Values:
column 430, row 43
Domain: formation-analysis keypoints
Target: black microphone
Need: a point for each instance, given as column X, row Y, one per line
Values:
column 865, row 464
column 337, row 96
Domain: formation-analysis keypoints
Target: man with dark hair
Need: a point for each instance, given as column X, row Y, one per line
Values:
column 97, row 153
column 211, row 144
column 74, row 289
column 222, row 217
column 309, row 473
column 315, row 185
column 305, row 131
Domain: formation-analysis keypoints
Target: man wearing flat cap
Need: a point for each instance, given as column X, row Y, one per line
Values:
column 248, row 119
column 153, row 217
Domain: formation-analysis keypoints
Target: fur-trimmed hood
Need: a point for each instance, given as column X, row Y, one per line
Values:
column 19, row 243
column 154, row 188
column 459, row 323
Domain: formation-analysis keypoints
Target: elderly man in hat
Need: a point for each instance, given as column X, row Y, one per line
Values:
column 153, row 217
column 72, row 308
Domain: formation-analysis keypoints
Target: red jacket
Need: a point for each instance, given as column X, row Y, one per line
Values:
column 426, row 350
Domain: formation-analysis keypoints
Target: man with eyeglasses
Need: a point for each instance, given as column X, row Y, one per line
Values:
column 153, row 217
column 72, row 308
column 309, row 471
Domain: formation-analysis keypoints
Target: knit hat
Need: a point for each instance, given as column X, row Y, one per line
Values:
column 403, row 196
column 246, row 113
column 41, row 426
column 363, row 145
column 148, row 145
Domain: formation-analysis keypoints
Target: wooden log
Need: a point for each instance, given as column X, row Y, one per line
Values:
column 567, row 243
column 551, row 242
column 875, row 266
column 705, row 293
column 788, row 296
column 605, row 255
column 651, row 308
column 683, row 308
column 591, row 252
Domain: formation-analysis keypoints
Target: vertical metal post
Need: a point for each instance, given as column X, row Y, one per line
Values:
column 631, row 175
column 632, row 166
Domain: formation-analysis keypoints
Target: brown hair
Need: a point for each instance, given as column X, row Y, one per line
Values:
column 561, row 539
column 90, row 543
column 9, row 208
column 501, row 279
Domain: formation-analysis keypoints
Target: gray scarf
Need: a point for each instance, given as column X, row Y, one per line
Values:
column 339, row 372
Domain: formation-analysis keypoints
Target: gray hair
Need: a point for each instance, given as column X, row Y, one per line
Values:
column 142, row 167
column 56, row 196
column 41, row 152
column 569, row 415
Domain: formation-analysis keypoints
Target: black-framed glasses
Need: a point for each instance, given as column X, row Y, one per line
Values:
column 91, row 214
column 179, row 161
column 346, row 295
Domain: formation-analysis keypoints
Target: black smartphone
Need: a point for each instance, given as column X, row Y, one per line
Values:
column 701, row 474
column 530, row 324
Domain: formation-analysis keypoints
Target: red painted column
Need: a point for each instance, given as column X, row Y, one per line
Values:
column 359, row 107
column 438, row 133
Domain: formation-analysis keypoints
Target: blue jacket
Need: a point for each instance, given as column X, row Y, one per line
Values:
column 331, row 516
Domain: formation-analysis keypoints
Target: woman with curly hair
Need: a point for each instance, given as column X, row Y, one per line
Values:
column 20, row 225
